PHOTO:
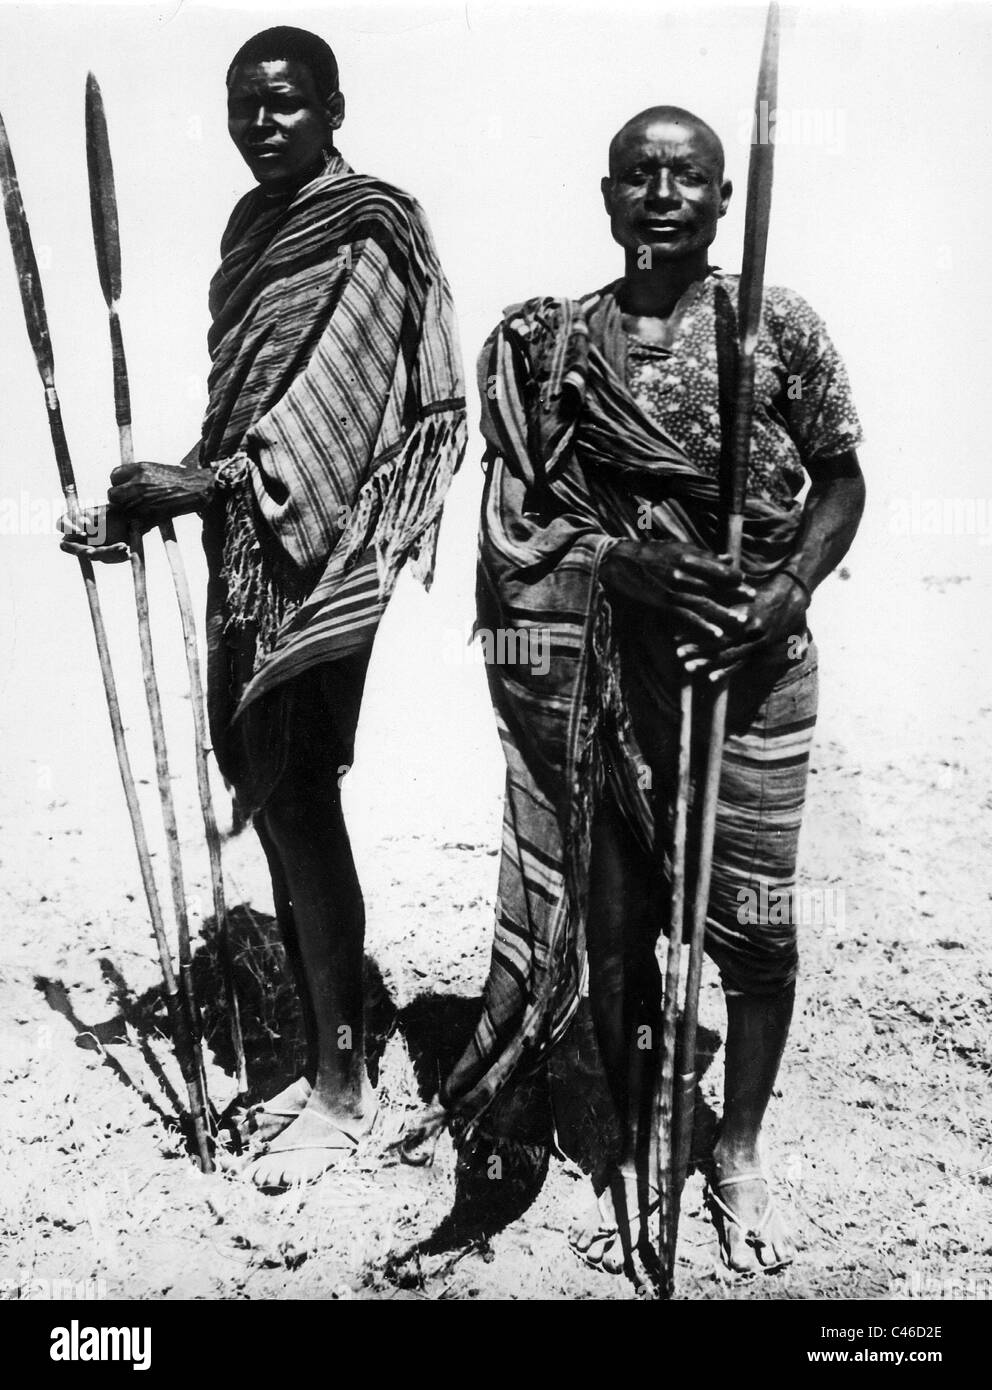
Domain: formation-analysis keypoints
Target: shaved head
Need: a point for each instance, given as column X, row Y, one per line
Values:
column 666, row 189
column 285, row 44
column 637, row 127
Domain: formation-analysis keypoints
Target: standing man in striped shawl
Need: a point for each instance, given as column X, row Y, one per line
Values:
column 334, row 425
column 600, row 533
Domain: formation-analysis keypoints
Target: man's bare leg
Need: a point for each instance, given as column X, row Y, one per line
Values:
column 305, row 827
column 757, row 1029
column 290, row 938
column 278, row 1112
column 617, row 930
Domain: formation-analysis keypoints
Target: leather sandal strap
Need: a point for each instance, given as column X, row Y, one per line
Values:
column 752, row 1233
column 755, row 1176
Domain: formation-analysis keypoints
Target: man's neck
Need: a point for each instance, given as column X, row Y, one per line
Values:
column 654, row 291
column 289, row 190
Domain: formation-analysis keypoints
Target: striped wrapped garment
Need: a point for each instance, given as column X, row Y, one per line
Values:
column 574, row 465
column 336, row 420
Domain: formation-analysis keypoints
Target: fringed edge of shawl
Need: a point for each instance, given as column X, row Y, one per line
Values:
column 398, row 509
column 397, row 512
column 260, row 595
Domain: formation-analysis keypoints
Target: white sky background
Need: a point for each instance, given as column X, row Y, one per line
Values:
column 496, row 116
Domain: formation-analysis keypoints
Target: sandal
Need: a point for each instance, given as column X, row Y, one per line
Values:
column 269, row 1118
column 754, row 1236
column 335, row 1141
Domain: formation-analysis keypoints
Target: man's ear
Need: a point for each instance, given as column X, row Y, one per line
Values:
column 726, row 192
column 606, row 188
column 334, row 106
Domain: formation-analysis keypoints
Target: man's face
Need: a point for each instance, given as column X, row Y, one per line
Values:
column 665, row 190
column 278, row 122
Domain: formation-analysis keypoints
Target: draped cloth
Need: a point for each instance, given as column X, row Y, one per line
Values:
column 335, row 422
column 573, row 466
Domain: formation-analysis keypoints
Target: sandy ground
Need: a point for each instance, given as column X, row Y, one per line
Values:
column 880, row 1135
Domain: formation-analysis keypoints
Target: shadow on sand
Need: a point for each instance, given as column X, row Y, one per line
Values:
column 562, row 1108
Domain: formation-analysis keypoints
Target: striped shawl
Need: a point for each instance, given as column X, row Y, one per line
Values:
column 335, row 419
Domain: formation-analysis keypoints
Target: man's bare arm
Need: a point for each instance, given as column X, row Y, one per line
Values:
column 142, row 493
column 151, row 493
column 830, row 520
column 834, row 506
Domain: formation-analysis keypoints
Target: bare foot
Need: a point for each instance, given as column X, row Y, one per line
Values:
column 315, row 1142
column 616, row 1223
column 278, row 1112
column 753, row 1237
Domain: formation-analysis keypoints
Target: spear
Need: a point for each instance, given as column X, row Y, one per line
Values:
column 36, row 320
column 663, row 1128
column 750, row 295
column 106, row 240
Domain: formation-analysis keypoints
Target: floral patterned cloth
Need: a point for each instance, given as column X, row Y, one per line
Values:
column 803, row 405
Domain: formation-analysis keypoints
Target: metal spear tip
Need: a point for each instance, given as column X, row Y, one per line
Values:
column 94, row 100
column 96, row 119
column 103, row 197
column 93, row 93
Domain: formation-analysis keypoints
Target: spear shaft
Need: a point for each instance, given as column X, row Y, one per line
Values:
column 106, row 241
column 750, row 296
column 36, row 321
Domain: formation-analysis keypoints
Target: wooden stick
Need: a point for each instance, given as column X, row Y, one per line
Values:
column 170, row 824
column 182, row 1037
column 202, row 738
column 685, row 1095
column 665, row 1080
column 36, row 320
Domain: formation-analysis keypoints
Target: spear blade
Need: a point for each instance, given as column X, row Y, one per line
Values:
column 759, row 186
column 35, row 316
column 28, row 278
column 103, row 194
column 107, row 245
column 760, row 171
